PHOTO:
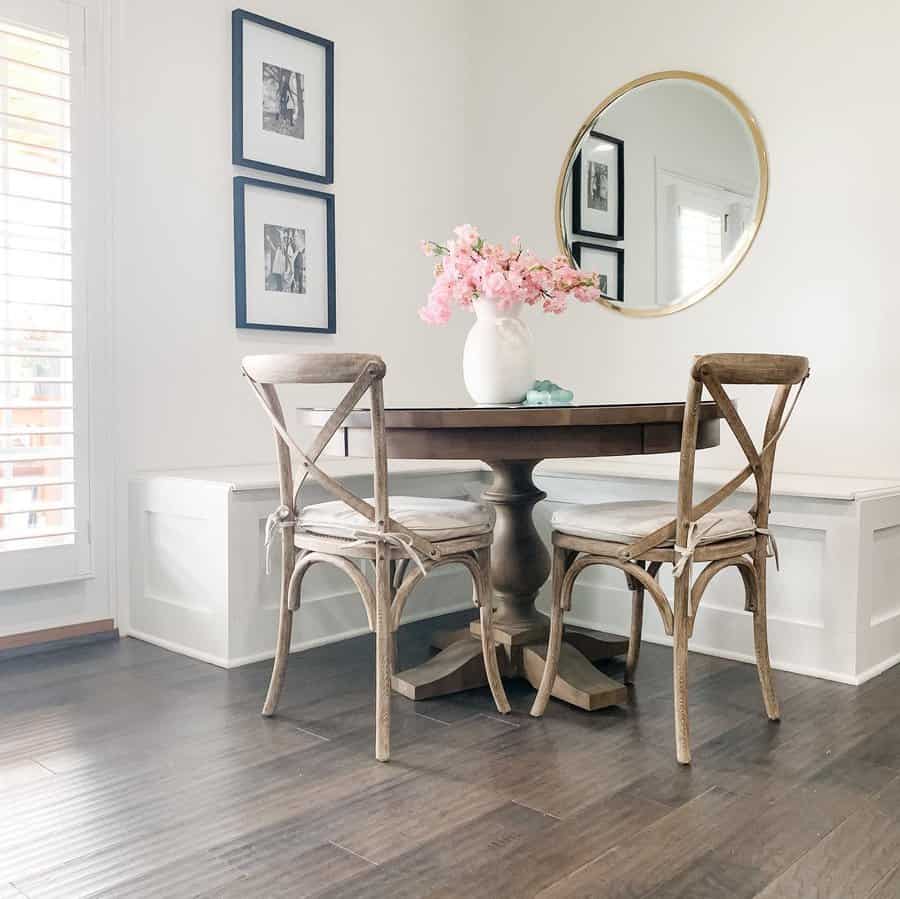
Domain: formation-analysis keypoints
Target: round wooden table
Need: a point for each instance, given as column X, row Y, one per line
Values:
column 511, row 440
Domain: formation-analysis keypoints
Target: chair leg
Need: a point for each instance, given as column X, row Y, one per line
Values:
column 637, row 624
column 680, row 669
column 761, row 643
column 484, row 597
column 551, row 663
column 285, row 628
column 384, row 640
column 279, row 668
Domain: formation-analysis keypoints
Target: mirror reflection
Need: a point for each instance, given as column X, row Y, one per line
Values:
column 662, row 192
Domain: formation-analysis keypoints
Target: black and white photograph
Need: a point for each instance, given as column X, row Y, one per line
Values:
column 284, row 267
column 285, row 257
column 607, row 262
column 282, row 98
column 598, row 188
column 282, row 106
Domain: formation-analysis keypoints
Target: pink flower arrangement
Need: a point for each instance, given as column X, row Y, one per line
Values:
column 470, row 268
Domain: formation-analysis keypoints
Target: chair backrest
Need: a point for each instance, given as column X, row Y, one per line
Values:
column 715, row 372
column 365, row 374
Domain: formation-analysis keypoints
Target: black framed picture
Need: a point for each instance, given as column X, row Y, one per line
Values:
column 607, row 262
column 598, row 188
column 284, row 273
column 282, row 98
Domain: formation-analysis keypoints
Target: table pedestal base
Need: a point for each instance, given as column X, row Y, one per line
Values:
column 520, row 565
column 459, row 665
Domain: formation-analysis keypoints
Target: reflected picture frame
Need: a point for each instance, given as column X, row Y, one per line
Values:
column 583, row 182
column 581, row 250
column 315, row 274
column 276, row 159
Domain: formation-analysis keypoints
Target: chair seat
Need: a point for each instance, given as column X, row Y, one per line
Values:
column 436, row 519
column 626, row 522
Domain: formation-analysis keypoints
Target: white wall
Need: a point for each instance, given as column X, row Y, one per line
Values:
column 466, row 117
column 821, row 278
column 398, row 177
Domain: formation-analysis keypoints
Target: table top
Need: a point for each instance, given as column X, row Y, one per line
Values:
column 516, row 416
column 513, row 433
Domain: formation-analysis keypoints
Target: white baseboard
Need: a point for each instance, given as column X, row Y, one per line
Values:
column 663, row 640
column 880, row 668
column 296, row 645
column 180, row 648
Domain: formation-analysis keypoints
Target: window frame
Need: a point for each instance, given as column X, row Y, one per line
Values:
column 83, row 22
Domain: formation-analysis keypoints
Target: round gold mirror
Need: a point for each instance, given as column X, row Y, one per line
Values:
column 662, row 192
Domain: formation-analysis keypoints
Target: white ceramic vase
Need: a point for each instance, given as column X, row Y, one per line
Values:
column 498, row 358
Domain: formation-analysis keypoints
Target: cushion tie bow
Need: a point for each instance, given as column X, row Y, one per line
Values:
column 280, row 518
column 358, row 536
column 694, row 536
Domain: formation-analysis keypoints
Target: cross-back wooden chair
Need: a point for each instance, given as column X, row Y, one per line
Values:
column 387, row 531
column 639, row 537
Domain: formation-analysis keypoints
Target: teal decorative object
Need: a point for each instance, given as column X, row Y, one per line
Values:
column 546, row 393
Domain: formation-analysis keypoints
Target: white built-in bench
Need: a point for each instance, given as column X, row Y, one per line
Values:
column 198, row 574
column 198, row 581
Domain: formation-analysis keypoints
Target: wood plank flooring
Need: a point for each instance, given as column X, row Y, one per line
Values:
column 128, row 771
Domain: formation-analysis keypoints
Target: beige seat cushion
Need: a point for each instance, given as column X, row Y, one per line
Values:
column 433, row 518
column 626, row 522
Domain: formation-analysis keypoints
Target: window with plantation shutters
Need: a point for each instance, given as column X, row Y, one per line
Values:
column 43, row 483
column 37, row 501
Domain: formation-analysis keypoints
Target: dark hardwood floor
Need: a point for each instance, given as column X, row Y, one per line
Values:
column 127, row 771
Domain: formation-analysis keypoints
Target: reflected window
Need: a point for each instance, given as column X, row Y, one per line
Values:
column 698, row 226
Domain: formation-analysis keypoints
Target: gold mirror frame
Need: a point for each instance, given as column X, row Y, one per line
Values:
column 746, row 241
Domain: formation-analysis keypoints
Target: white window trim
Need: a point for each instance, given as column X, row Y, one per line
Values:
column 668, row 180
column 91, row 322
